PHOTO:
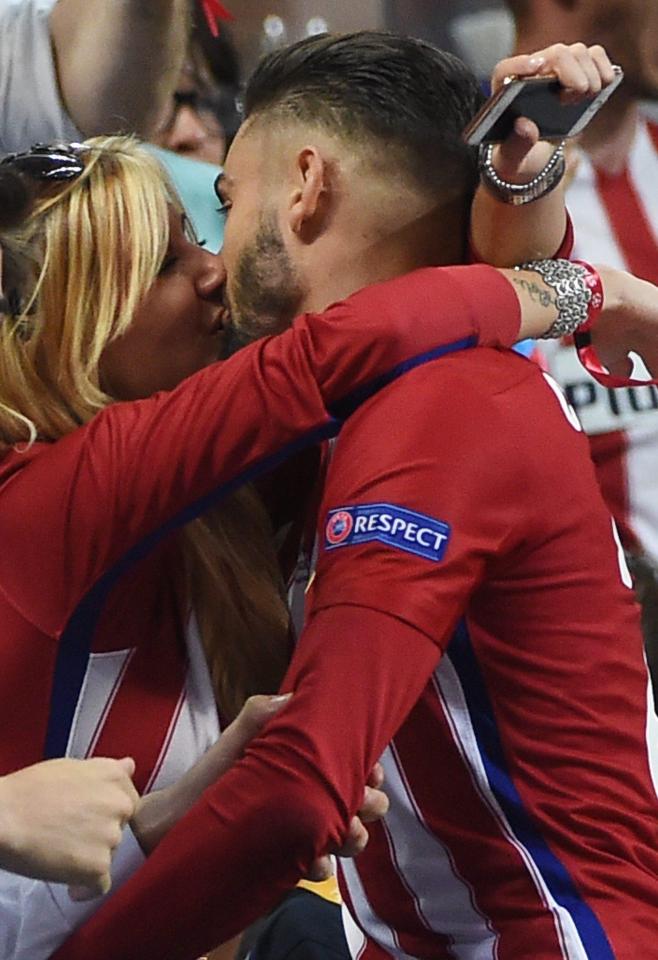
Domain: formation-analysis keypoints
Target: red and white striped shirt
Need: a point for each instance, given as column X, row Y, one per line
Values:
column 616, row 223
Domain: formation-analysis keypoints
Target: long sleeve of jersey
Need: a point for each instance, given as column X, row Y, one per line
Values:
column 75, row 513
column 254, row 834
column 384, row 603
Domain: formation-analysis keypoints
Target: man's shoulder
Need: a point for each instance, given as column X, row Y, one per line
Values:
column 469, row 399
column 460, row 379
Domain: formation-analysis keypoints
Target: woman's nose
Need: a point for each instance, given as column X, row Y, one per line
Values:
column 211, row 276
column 188, row 131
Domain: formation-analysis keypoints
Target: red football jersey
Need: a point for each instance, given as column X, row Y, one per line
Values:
column 96, row 649
column 473, row 620
column 523, row 817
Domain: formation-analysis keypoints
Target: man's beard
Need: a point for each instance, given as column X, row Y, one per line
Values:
column 266, row 290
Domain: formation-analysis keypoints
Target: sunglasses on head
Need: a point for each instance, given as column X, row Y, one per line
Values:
column 49, row 163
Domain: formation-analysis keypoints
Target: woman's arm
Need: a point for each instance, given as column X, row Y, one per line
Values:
column 112, row 489
column 108, row 492
column 627, row 323
column 118, row 62
column 504, row 234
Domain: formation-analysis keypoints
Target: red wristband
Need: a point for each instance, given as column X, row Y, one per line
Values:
column 214, row 11
column 583, row 337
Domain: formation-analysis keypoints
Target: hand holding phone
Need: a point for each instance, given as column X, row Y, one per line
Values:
column 549, row 95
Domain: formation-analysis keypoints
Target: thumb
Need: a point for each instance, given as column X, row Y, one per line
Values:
column 127, row 764
column 81, row 894
column 513, row 151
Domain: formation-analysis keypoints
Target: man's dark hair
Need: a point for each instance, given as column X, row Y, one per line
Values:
column 405, row 97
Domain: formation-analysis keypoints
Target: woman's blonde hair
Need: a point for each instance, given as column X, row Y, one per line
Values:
column 90, row 252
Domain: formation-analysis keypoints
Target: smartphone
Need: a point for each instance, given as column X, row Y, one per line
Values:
column 539, row 99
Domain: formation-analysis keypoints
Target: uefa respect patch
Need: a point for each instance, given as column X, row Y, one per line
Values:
column 395, row 526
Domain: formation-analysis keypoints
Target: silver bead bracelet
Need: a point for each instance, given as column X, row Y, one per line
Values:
column 520, row 193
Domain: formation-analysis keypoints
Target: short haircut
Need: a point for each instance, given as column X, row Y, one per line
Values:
column 399, row 95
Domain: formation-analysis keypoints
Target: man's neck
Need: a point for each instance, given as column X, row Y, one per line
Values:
column 350, row 270
column 351, row 260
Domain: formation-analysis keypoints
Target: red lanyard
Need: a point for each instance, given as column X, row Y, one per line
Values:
column 214, row 11
column 589, row 358
column 583, row 338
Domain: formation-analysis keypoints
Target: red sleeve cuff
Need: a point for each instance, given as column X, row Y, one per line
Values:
column 494, row 304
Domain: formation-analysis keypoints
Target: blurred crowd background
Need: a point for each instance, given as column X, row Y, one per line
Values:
column 478, row 29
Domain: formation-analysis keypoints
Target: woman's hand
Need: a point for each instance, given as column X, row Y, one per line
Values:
column 504, row 234
column 628, row 322
column 61, row 820
column 159, row 811
column 581, row 70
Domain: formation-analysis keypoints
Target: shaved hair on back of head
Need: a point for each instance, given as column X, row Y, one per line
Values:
column 399, row 99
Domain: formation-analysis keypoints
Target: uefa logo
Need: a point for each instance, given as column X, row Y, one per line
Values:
column 339, row 527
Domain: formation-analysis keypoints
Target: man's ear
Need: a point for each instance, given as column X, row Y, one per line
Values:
column 308, row 201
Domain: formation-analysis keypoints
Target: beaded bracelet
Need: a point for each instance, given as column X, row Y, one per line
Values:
column 521, row 193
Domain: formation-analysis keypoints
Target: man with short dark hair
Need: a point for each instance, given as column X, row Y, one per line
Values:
column 471, row 616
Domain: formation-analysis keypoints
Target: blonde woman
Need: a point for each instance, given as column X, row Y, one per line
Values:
column 119, row 437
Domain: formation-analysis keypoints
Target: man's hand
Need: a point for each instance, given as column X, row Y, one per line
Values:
column 582, row 71
column 374, row 807
column 61, row 820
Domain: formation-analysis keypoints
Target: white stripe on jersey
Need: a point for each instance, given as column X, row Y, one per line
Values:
column 99, row 688
column 457, row 714
column 633, row 411
column 643, row 165
column 594, row 237
column 652, row 732
column 195, row 725
column 356, row 940
column 365, row 916
column 425, row 866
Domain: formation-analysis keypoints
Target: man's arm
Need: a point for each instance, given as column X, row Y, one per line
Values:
column 379, row 621
column 503, row 234
column 255, row 833
column 118, row 61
